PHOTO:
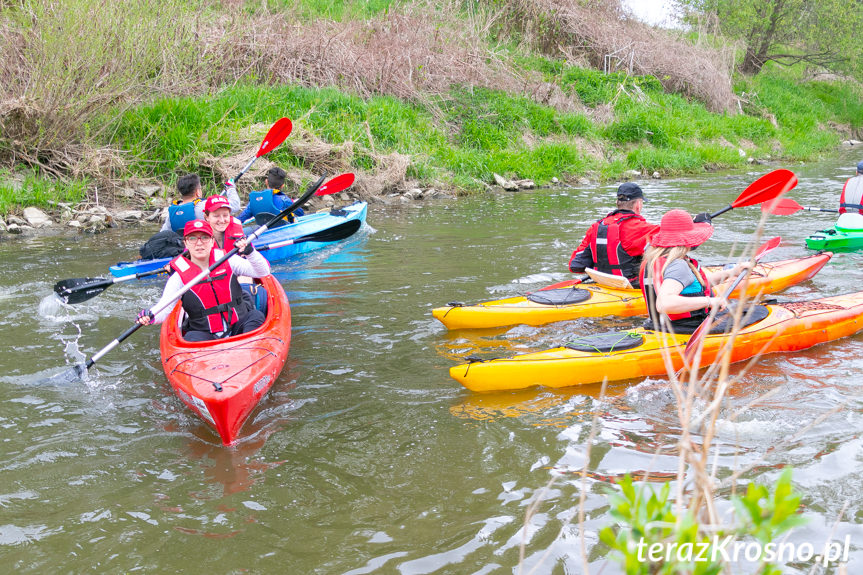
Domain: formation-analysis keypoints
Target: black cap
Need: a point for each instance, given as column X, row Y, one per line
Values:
column 629, row 191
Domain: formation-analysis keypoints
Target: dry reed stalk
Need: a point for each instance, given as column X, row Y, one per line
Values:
column 601, row 30
column 407, row 52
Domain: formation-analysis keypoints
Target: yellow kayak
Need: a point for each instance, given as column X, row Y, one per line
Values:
column 571, row 299
column 642, row 353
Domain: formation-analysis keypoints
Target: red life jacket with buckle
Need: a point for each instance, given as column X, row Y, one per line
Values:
column 212, row 303
column 233, row 232
column 608, row 253
column 651, row 282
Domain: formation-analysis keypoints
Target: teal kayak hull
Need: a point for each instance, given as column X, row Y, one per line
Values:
column 304, row 225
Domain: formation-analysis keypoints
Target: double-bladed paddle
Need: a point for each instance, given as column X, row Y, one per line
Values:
column 333, row 186
column 787, row 206
column 77, row 290
column 703, row 329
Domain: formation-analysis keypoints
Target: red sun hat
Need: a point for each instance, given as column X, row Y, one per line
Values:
column 678, row 229
column 197, row 226
column 213, row 203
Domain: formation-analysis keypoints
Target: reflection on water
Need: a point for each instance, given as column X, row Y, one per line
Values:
column 365, row 457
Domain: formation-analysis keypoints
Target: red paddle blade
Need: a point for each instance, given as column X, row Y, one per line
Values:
column 768, row 246
column 336, row 185
column 277, row 134
column 781, row 207
column 769, row 186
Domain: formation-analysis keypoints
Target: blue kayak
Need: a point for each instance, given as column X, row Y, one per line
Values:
column 303, row 226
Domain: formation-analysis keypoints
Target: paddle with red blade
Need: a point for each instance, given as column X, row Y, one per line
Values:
column 787, row 206
column 275, row 136
column 767, row 187
column 335, row 185
column 704, row 328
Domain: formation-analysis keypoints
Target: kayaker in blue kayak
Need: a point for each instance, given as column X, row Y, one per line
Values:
column 270, row 201
column 615, row 243
column 674, row 285
column 214, row 306
column 851, row 199
column 189, row 206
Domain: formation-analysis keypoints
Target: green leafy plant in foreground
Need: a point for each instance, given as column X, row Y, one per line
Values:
column 647, row 520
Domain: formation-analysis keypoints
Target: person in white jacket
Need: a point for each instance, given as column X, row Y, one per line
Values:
column 213, row 305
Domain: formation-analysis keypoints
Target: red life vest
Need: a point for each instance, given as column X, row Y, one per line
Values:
column 852, row 196
column 608, row 253
column 210, row 304
column 650, row 284
column 233, row 232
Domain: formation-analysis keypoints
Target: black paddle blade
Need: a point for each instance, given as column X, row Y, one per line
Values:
column 76, row 290
column 333, row 234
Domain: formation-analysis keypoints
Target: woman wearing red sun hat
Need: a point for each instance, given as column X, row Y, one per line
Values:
column 676, row 289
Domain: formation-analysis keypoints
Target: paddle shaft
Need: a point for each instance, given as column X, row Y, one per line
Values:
column 204, row 273
column 820, row 210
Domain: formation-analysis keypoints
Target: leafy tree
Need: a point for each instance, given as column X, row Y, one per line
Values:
column 820, row 32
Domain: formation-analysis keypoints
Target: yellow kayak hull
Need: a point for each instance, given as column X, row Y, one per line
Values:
column 787, row 327
column 767, row 278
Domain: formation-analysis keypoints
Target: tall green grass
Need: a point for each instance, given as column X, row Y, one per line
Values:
column 470, row 134
column 171, row 134
column 37, row 191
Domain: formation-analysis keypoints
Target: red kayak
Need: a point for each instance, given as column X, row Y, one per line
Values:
column 223, row 380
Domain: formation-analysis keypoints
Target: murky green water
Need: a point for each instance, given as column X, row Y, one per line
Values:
column 365, row 457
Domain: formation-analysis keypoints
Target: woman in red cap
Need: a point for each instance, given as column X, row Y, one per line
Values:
column 676, row 289
column 214, row 305
column 226, row 229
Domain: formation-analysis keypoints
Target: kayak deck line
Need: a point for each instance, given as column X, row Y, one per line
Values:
column 219, row 385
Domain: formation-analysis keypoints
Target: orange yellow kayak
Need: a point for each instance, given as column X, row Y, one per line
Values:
column 598, row 301
column 787, row 327
column 224, row 379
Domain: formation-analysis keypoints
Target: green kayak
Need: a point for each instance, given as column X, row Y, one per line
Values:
column 846, row 235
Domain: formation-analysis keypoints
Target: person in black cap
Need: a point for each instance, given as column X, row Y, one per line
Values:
column 270, row 200
column 851, row 199
column 615, row 243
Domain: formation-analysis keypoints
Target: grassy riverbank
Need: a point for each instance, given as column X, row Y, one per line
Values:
column 558, row 119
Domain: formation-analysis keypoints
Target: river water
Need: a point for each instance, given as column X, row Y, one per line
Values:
column 366, row 457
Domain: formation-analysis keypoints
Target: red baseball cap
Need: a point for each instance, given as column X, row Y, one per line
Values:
column 213, row 203
column 678, row 229
column 197, row 226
